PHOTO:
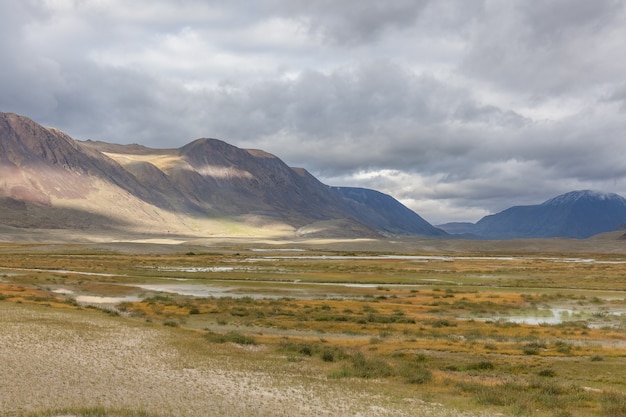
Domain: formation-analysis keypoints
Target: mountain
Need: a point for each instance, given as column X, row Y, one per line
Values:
column 458, row 228
column 577, row 214
column 206, row 188
column 49, row 180
column 386, row 213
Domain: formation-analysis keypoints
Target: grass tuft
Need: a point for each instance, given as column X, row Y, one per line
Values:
column 613, row 405
column 97, row 411
column 363, row 367
column 230, row 337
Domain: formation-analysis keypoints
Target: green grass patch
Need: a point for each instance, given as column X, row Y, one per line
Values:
column 230, row 337
column 361, row 366
column 613, row 405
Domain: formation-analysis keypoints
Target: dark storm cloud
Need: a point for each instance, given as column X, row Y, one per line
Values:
column 353, row 22
column 376, row 115
column 459, row 108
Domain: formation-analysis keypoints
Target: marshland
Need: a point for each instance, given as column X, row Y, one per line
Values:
column 310, row 329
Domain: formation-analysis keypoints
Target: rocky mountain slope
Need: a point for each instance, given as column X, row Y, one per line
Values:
column 208, row 187
column 577, row 214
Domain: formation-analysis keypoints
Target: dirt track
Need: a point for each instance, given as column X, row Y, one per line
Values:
column 55, row 359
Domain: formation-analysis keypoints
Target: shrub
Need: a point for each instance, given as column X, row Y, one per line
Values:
column 507, row 394
column 443, row 323
column 363, row 367
column 70, row 301
column 328, row 355
column 415, row 373
column 530, row 351
column 481, row 366
column 563, row 347
column 239, row 312
column 547, row 373
column 230, row 337
column 533, row 348
column 306, row 350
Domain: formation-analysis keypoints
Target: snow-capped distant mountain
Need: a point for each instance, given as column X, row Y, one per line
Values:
column 574, row 197
column 577, row 214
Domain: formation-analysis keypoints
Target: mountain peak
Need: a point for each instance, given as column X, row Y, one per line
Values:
column 583, row 195
column 208, row 144
column 26, row 143
column 577, row 214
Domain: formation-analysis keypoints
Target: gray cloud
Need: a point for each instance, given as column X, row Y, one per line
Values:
column 554, row 47
column 354, row 22
column 458, row 108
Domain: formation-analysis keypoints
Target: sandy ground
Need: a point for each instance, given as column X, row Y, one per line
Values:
column 142, row 243
column 608, row 243
column 55, row 359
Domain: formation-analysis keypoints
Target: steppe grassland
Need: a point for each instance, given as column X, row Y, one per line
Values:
column 421, row 332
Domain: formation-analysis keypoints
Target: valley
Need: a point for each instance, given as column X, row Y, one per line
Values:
column 210, row 280
column 377, row 328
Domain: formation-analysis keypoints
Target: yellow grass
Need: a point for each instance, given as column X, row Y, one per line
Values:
column 441, row 322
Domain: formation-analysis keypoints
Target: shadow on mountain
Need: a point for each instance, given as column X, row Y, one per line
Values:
column 385, row 213
column 16, row 213
column 176, row 190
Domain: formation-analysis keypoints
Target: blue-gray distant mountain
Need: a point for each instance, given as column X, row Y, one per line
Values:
column 577, row 214
column 463, row 229
column 206, row 188
column 386, row 213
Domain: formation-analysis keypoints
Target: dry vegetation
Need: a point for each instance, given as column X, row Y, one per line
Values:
column 313, row 332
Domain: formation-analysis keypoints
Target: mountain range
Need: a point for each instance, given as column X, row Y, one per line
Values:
column 576, row 214
column 205, row 188
column 210, row 188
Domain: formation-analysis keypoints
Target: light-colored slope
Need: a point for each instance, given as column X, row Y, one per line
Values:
column 163, row 161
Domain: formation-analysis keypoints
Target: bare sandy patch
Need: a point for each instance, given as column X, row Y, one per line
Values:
column 57, row 359
column 158, row 241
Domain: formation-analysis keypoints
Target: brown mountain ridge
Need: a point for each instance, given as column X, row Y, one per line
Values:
column 206, row 188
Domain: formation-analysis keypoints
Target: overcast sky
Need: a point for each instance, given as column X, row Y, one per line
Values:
column 457, row 108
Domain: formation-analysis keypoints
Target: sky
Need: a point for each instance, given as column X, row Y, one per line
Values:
column 457, row 108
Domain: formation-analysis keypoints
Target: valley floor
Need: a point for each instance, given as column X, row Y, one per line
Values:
column 54, row 359
column 344, row 328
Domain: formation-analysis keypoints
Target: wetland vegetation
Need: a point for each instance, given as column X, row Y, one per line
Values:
column 482, row 334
